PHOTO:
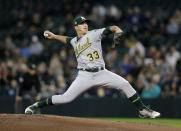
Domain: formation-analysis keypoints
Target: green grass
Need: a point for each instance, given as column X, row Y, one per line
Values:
column 161, row 121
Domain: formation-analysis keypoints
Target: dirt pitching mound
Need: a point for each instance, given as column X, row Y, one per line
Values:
column 14, row 122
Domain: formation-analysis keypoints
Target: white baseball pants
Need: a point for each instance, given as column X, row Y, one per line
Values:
column 85, row 80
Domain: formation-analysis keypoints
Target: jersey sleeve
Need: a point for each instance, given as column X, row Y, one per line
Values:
column 99, row 32
column 68, row 39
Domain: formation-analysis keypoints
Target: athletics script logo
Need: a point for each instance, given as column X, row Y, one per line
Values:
column 80, row 48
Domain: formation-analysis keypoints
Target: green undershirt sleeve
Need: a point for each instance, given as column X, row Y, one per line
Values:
column 68, row 39
column 107, row 31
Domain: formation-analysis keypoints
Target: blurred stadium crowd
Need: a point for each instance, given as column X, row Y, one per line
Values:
column 149, row 57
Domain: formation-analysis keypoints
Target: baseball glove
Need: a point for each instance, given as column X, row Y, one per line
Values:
column 117, row 39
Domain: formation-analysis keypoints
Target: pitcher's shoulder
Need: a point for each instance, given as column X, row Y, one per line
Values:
column 97, row 30
column 70, row 39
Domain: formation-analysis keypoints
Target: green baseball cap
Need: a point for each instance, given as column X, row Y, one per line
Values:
column 80, row 20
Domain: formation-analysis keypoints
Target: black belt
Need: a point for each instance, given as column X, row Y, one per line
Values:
column 92, row 69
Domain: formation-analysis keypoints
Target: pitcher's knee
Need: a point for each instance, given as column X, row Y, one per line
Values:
column 125, row 83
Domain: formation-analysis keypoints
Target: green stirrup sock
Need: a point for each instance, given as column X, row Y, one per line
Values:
column 136, row 100
column 45, row 102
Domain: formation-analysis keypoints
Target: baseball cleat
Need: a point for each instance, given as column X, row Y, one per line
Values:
column 31, row 109
column 148, row 113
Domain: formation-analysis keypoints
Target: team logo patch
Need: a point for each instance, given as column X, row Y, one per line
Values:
column 82, row 18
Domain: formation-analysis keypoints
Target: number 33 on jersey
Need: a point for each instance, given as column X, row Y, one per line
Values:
column 92, row 56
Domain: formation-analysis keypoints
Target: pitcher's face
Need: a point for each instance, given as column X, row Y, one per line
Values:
column 82, row 28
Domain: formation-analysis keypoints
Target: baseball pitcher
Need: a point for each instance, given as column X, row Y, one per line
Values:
column 91, row 66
